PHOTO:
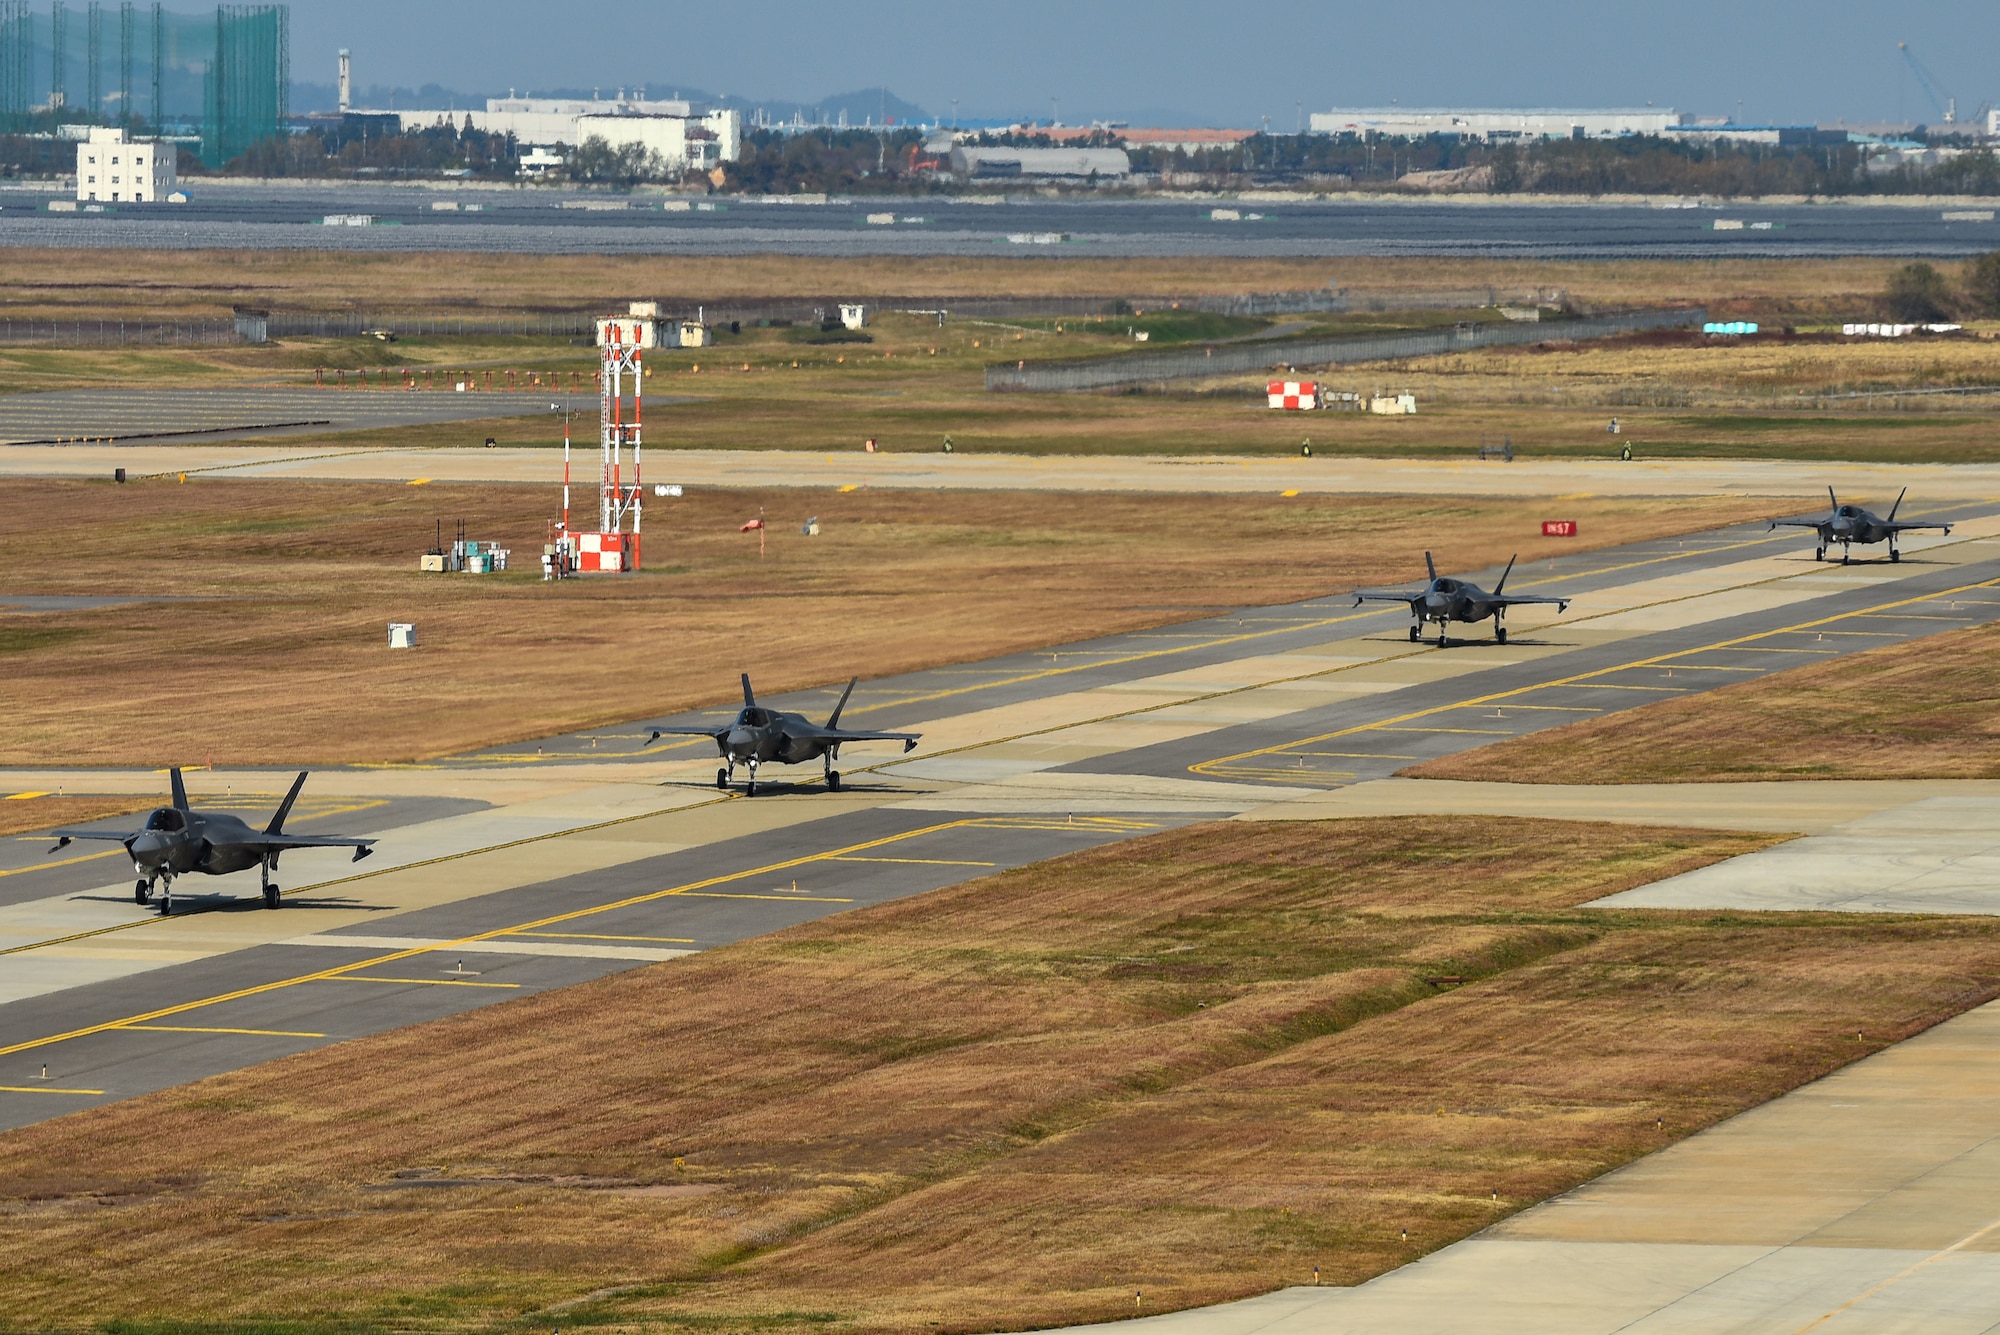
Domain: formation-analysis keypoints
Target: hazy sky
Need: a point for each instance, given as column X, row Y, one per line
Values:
column 1783, row 60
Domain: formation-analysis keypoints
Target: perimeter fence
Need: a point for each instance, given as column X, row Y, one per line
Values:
column 93, row 333
column 1201, row 363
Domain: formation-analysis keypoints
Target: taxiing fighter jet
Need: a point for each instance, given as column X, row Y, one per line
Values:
column 759, row 736
column 1448, row 600
column 179, row 839
column 1849, row 524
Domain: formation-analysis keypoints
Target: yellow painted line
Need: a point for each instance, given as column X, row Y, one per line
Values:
column 421, row 982
column 154, row 919
column 919, row 862
column 65, row 862
column 1709, row 667
column 38, row 1089
column 1901, row 1275
column 730, row 894
column 1613, row 686
column 418, row 481
column 604, row 936
column 1481, row 732
column 1220, row 764
column 22, row 797
column 345, row 970
column 204, row 1029
column 1293, row 492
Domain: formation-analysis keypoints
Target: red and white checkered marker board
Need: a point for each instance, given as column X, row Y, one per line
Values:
column 1294, row 394
column 1558, row 528
column 610, row 553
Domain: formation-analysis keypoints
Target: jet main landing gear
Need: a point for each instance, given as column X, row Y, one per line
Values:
column 142, row 892
column 1500, row 635
column 750, row 790
column 832, row 776
column 723, row 776
column 271, row 892
column 1414, row 633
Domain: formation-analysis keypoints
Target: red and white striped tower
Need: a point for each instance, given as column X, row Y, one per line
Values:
column 614, row 545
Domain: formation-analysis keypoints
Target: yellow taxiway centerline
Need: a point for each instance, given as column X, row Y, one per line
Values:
column 347, row 971
column 1217, row 766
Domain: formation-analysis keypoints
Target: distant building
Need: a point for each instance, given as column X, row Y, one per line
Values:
column 112, row 168
column 1055, row 163
column 1495, row 123
column 684, row 143
column 543, row 120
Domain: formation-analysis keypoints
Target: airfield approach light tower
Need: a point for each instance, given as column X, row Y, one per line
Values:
column 614, row 545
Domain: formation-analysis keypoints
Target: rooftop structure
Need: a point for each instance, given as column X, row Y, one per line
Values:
column 684, row 143
column 1496, row 122
column 113, row 168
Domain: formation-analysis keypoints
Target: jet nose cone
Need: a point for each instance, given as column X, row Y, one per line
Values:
column 149, row 849
column 740, row 739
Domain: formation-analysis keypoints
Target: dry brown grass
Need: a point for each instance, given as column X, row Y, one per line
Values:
column 1198, row 1064
column 1928, row 709
column 19, row 815
column 282, row 654
column 67, row 283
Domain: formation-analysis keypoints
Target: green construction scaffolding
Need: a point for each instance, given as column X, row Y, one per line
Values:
column 231, row 73
column 247, row 95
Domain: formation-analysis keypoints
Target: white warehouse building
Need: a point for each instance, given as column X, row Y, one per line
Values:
column 684, row 143
column 1496, row 122
column 114, row 169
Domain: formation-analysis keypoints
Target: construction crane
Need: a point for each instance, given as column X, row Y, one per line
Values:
column 1941, row 102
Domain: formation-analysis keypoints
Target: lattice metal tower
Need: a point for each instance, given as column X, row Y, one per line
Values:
column 17, row 41
column 248, row 92
column 159, row 62
column 93, row 46
column 58, row 48
column 125, row 62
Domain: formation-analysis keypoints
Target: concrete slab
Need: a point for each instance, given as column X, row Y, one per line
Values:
column 1937, row 854
column 1866, row 1201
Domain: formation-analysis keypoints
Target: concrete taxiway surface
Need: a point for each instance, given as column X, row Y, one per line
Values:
column 1862, row 1202
column 60, row 419
column 1929, row 484
column 528, row 867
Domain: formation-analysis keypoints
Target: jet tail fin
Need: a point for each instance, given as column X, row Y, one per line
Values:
column 277, row 825
column 1898, row 505
column 1430, row 565
column 1502, row 585
column 180, row 789
column 1832, row 499
column 834, row 720
column 749, row 700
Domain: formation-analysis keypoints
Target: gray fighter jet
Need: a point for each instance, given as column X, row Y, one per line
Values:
column 1446, row 600
column 758, row 736
column 178, row 839
column 1849, row 524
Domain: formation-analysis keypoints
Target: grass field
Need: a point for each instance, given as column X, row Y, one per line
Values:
column 270, row 646
column 1196, row 1065
column 916, row 383
column 68, row 284
column 1928, row 709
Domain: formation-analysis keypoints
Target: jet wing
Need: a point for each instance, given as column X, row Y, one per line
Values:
column 1798, row 523
column 116, row 836
column 1369, row 597
column 279, row 843
column 1512, row 600
column 1901, row 526
column 908, row 739
column 713, row 734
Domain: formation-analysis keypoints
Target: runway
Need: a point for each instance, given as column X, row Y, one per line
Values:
column 507, row 872
column 1930, row 484
column 71, row 417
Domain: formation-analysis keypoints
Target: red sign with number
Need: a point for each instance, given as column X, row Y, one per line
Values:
column 1558, row 528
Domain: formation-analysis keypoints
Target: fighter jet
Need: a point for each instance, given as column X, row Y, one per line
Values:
column 759, row 736
column 178, row 839
column 1448, row 600
column 1849, row 524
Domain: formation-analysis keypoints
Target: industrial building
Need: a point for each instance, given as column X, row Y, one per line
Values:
column 683, row 142
column 1496, row 123
column 113, row 168
column 1054, row 163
